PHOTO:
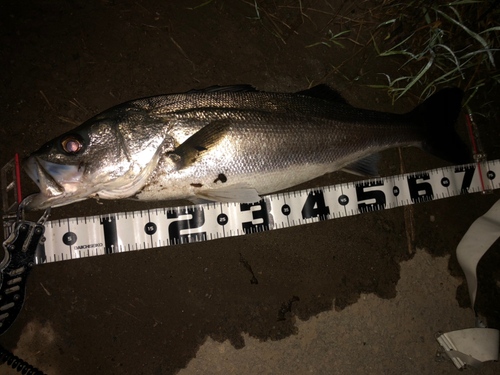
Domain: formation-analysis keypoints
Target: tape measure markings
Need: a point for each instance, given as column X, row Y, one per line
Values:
column 139, row 230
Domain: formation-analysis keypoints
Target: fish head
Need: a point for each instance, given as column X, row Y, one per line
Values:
column 106, row 157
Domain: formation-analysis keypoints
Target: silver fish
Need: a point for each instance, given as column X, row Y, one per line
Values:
column 231, row 144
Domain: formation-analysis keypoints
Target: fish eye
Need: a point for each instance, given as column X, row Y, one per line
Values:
column 72, row 144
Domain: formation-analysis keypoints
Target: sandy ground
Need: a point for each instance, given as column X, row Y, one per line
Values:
column 372, row 336
column 340, row 296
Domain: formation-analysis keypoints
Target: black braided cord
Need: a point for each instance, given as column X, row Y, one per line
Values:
column 17, row 363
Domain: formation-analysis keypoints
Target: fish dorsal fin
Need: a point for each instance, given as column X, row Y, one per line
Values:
column 199, row 143
column 364, row 167
column 324, row 92
column 239, row 193
column 230, row 88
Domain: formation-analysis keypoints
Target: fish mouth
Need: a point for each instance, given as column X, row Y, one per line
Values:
column 58, row 183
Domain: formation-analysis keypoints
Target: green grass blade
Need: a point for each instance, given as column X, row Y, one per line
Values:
column 337, row 35
column 496, row 28
column 319, row 43
column 386, row 23
column 471, row 33
column 419, row 75
column 396, row 46
column 201, row 5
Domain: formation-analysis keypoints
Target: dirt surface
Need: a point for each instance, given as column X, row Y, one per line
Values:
column 148, row 312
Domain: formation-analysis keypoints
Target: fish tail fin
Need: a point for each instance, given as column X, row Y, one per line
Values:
column 439, row 114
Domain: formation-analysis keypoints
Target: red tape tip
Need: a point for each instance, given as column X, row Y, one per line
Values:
column 469, row 124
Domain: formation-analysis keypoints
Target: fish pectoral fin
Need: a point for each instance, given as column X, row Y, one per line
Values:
column 193, row 148
column 195, row 200
column 240, row 193
column 364, row 167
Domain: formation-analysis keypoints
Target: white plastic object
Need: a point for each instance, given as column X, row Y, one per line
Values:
column 473, row 346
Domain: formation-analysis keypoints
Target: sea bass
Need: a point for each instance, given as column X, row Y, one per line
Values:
column 231, row 144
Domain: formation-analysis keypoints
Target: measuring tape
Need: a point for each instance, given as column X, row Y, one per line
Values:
column 127, row 231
